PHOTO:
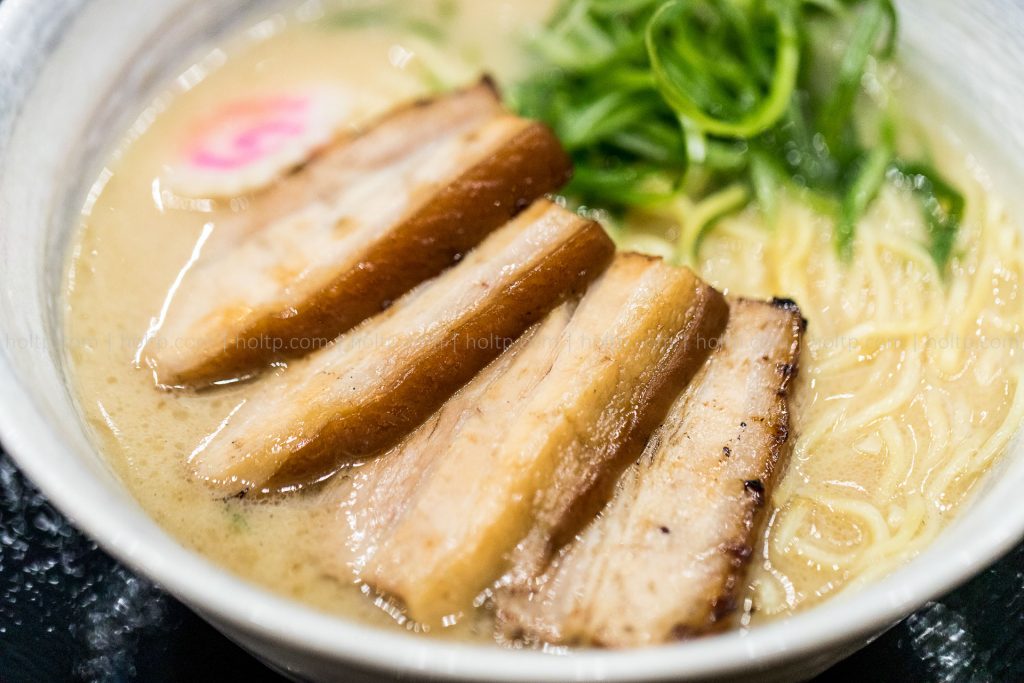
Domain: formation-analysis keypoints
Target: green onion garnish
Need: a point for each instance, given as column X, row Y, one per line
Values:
column 743, row 97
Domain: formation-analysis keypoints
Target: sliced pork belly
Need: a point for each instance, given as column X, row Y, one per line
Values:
column 354, row 230
column 539, row 438
column 366, row 499
column 665, row 558
column 374, row 385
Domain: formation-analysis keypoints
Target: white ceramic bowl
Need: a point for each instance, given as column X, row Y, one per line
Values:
column 73, row 74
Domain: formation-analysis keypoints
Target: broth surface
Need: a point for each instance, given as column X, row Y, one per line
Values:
column 909, row 383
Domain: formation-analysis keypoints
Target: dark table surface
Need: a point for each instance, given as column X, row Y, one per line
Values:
column 68, row 611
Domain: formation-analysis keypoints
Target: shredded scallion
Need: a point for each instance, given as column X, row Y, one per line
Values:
column 733, row 101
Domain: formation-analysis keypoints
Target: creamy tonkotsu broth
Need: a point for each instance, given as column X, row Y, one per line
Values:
column 909, row 382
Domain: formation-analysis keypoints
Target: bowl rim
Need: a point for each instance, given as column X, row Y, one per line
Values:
column 121, row 527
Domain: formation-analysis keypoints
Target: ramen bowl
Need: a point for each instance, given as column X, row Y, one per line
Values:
column 76, row 73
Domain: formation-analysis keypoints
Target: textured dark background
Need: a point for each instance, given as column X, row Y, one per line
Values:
column 70, row 612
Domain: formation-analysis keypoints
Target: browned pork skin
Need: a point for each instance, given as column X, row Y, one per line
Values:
column 373, row 385
column 540, row 434
column 666, row 557
column 355, row 229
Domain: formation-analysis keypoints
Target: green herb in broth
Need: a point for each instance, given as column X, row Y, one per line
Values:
column 942, row 205
column 427, row 26
column 728, row 102
column 396, row 14
column 239, row 521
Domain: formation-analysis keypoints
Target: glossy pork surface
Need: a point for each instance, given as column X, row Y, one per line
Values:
column 368, row 498
column 666, row 557
column 506, row 475
column 370, row 387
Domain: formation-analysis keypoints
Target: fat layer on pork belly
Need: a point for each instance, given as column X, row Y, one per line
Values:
column 373, row 385
column 353, row 230
column 516, row 459
column 666, row 557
